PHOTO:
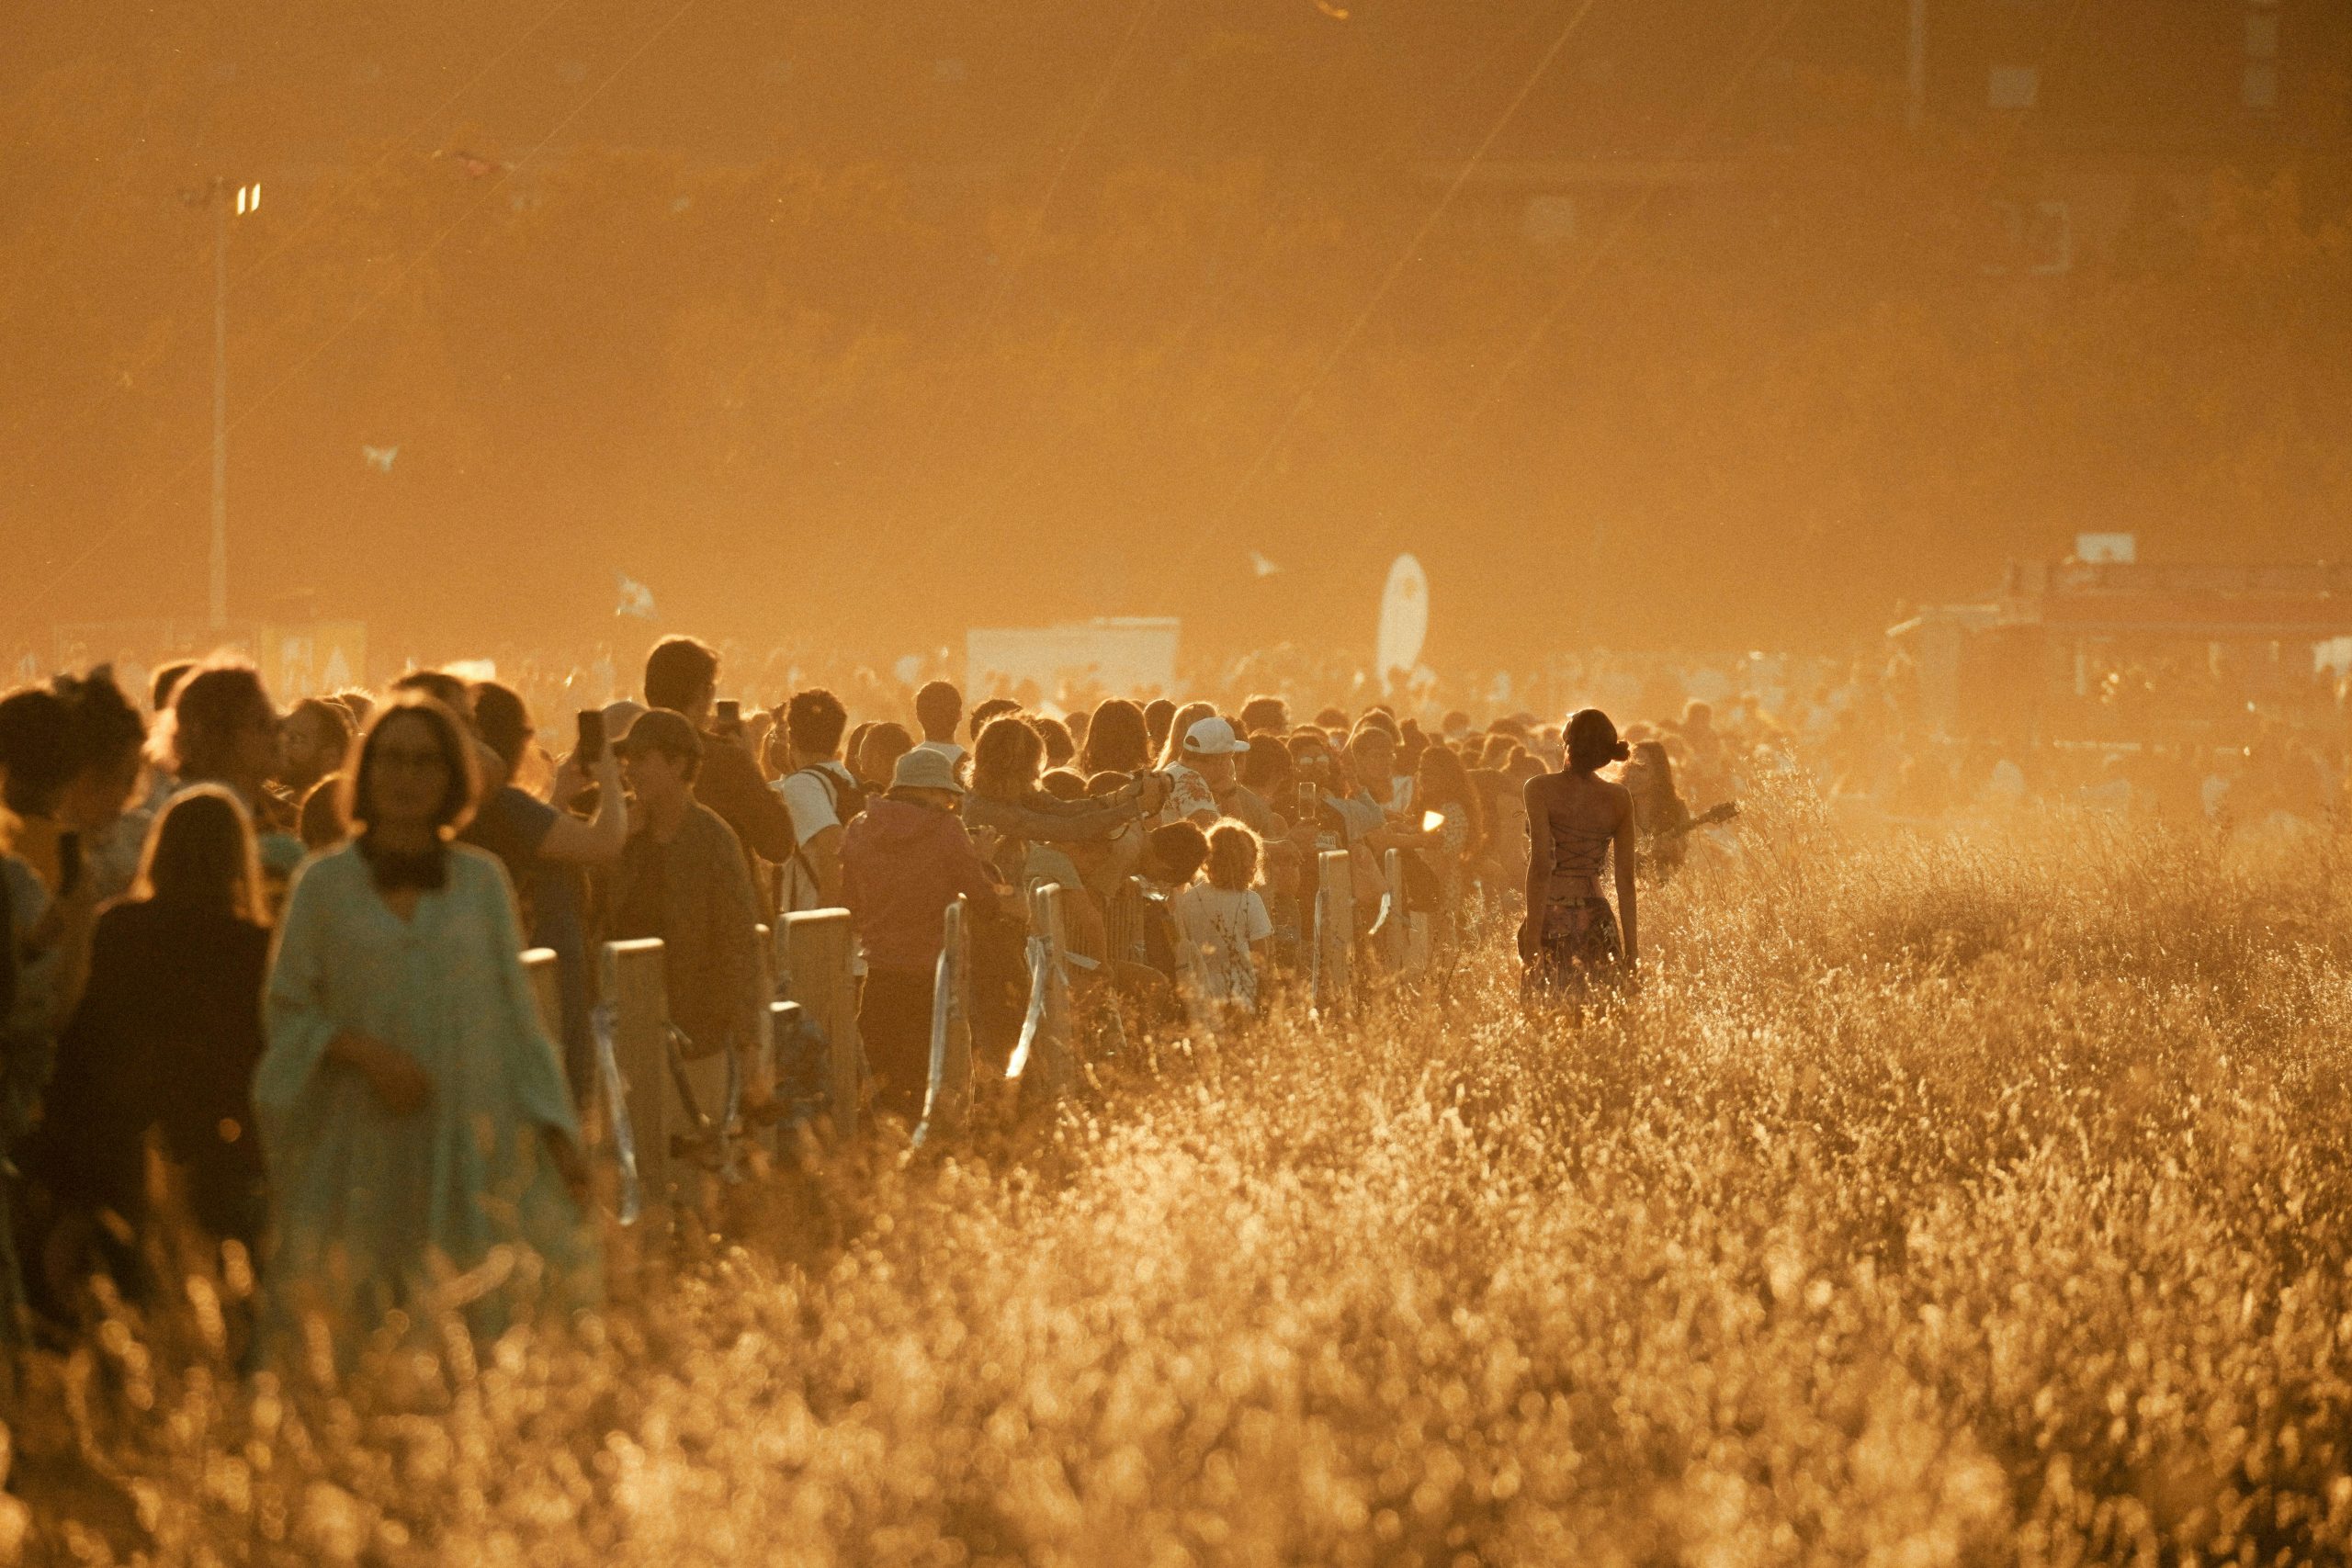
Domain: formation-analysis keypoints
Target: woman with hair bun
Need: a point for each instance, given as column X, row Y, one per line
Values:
column 1574, row 819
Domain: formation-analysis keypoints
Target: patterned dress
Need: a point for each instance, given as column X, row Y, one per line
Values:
column 1577, row 940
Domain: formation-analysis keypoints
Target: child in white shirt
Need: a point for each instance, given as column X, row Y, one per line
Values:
column 1222, row 930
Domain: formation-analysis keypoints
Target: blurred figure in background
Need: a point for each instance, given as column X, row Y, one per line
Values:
column 1158, row 723
column 1169, row 749
column 312, row 741
column 47, row 911
column 993, row 708
column 1059, row 747
column 939, row 708
column 79, row 750
column 166, row 1038
column 877, row 755
column 224, row 731
column 1265, row 716
column 1708, row 774
column 1660, row 815
column 1453, row 844
column 1118, row 739
column 314, row 746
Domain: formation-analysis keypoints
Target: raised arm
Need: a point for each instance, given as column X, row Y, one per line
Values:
column 1042, row 820
column 599, row 841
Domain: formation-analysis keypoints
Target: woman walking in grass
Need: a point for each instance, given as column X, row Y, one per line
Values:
column 423, row 1151
column 1575, row 820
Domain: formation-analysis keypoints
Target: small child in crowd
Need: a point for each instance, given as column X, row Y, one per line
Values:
column 1222, row 930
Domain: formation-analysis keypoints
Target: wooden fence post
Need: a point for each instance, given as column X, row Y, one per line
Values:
column 1335, row 932
column 1043, row 1057
column 813, row 951
column 770, row 1138
column 1063, row 1059
column 546, row 991
column 635, row 986
column 1396, row 934
column 948, row 1100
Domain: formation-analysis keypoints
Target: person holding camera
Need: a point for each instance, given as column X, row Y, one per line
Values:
column 682, row 675
column 545, row 847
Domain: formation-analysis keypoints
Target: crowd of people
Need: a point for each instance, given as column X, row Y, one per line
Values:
column 261, row 970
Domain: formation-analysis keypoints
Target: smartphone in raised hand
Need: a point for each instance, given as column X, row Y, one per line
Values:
column 589, row 749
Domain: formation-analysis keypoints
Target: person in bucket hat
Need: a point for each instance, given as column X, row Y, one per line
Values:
column 904, row 859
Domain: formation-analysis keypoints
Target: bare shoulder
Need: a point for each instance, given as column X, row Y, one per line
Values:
column 1620, row 798
column 1540, row 788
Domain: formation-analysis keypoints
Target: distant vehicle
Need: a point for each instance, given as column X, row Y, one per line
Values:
column 2128, row 651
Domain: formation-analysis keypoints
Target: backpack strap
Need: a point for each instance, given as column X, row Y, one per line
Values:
column 833, row 798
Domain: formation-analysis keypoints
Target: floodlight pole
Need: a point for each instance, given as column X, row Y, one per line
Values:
column 219, row 403
column 1915, row 107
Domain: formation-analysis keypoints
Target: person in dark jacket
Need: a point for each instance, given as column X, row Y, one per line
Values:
column 166, row 1039
column 683, row 878
column 544, row 850
column 904, row 860
column 682, row 675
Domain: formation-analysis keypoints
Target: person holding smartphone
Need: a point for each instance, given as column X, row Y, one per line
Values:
column 682, row 675
column 545, row 847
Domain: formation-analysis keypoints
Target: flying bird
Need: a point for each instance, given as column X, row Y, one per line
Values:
column 636, row 598
column 1336, row 13
column 1261, row 566
column 474, row 163
column 379, row 457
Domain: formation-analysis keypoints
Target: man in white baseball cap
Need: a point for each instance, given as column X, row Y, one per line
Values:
column 1203, row 770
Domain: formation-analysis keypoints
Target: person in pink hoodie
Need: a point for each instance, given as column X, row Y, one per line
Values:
column 904, row 859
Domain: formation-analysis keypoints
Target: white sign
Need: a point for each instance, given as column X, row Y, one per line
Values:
column 1404, row 619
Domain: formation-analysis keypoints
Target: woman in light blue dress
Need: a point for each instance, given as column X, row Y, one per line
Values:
column 423, row 1149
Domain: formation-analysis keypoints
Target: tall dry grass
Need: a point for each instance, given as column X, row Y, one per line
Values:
column 1968, row 1198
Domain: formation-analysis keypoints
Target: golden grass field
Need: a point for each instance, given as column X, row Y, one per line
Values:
column 1974, row 1197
